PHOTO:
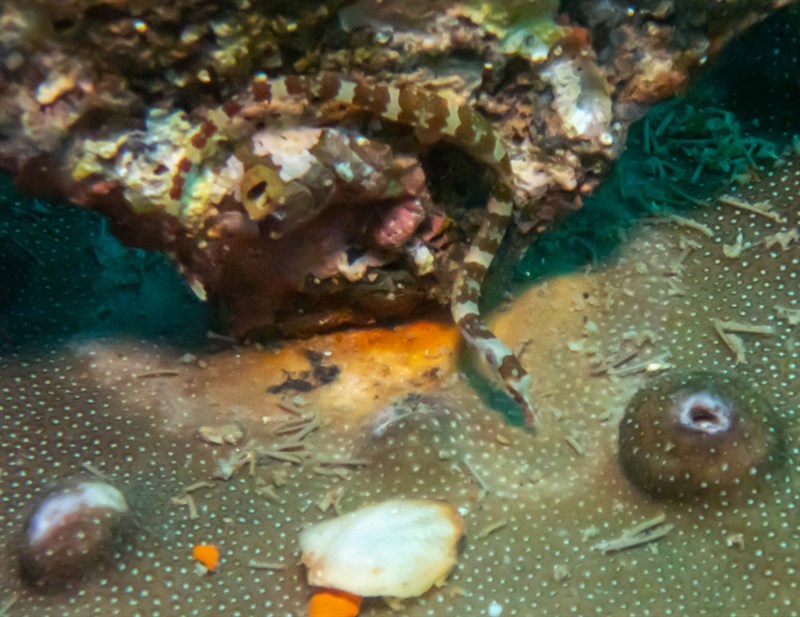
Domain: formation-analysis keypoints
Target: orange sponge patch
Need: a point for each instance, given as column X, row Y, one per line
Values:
column 334, row 603
column 206, row 554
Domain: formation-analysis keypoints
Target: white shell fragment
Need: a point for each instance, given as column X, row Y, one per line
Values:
column 397, row 548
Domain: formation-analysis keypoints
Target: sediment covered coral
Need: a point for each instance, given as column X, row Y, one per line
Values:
column 699, row 434
column 546, row 516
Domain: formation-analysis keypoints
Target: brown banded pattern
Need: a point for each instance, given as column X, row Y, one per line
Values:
column 434, row 117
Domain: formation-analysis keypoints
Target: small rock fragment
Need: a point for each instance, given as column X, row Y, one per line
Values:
column 398, row 548
column 77, row 525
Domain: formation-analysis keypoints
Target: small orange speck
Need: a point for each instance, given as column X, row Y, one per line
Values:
column 206, row 554
column 334, row 603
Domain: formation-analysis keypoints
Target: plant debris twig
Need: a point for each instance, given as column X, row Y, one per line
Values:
column 474, row 473
column 649, row 531
column 762, row 208
column 683, row 222
column 188, row 501
column 265, row 565
column 6, row 606
column 729, row 331
column 95, row 472
column 491, row 528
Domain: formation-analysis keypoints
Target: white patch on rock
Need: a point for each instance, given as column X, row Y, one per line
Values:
column 288, row 149
column 579, row 99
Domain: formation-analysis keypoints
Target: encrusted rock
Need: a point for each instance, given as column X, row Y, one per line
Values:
column 303, row 217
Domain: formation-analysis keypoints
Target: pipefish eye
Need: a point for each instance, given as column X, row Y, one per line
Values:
column 699, row 434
